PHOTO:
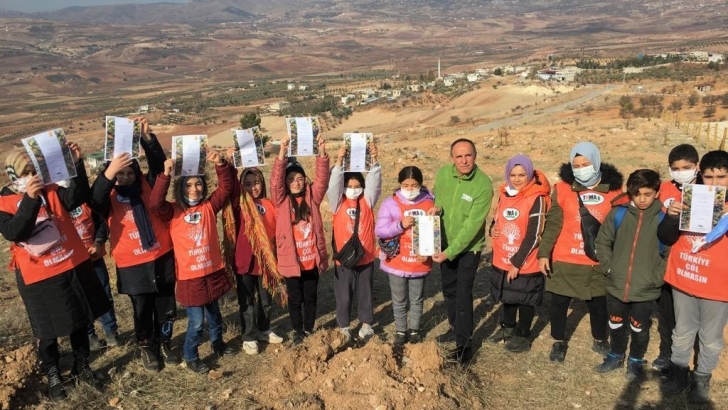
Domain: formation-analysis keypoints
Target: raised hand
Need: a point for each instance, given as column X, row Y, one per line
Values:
column 231, row 153
column 34, row 186
column 408, row 221
column 146, row 130
column 75, row 151
column 215, row 157
column 321, row 142
column 283, row 153
column 117, row 164
column 341, row 154
column 169, row 167
column 373, row 152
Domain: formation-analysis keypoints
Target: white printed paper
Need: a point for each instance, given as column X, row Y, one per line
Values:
column 426, row 235
column 51, row 156
column 190, row 154
column 358, row 158
column 302, row 133
column 702, row 207
column 249, row 150
column 123, row 135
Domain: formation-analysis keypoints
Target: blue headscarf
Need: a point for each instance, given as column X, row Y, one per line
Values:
column 590, row 152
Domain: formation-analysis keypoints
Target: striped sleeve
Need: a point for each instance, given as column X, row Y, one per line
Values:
column 534, row 230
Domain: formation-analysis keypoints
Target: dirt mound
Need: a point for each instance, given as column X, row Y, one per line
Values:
column 324, row 373
column 16, row 366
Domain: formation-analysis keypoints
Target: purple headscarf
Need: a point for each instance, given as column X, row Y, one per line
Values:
column 522, row 160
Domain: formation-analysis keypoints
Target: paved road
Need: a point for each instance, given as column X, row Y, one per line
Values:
column 546, row 111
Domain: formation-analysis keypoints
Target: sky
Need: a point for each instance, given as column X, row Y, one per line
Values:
column 30, row 6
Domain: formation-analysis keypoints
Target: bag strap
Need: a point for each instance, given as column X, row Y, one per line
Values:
column 619, row 217
column 356, row 219
column 578, row 196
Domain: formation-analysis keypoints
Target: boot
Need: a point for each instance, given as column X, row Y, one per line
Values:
column 677, row 380
column 601, row 346
column 635, row 369
column 198, row 366
column 55, row 384
column 518, row 341
column 82, row 372
column 700, row 388
column 558, row 352
column 150, row 358
column 501, row 335
column 165, row 350
column 611, row 363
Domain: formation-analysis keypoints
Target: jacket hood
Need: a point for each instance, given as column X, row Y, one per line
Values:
column 424, row 195
column 539, row 185
column 611, row 177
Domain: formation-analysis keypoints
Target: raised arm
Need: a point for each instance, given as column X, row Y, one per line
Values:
column 225, row 182
column 278, row 175
column 373, row 182
column 158, row 203
column 78, row 191
column 321, row 179
column 336, row 185
column 100, row 201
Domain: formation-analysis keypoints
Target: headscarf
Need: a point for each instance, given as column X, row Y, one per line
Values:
column 15, row 163
column 590, row 152
column 522, row 160
column 141, row 219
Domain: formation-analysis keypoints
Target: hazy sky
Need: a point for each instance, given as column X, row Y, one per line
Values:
column 49, row 5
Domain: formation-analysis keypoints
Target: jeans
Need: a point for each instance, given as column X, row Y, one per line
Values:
column 597, row 316
column 254, row 312
column 698, row 317
column 346, row 281
column 458, row 276
column 404, row 291
column 154, row 316
column 302, row 299
column 108, row 319
column 48, row 354
column 631, row 319
column 195, row 324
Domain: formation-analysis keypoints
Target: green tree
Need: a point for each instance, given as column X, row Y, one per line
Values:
column 693, row 99
column 709, row 111
column 498, row 72
column 250, row 120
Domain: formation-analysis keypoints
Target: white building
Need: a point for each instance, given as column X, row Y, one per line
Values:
column 396, row 93
column 278, row 106
column 449, row 81
column 715, row 58
column 291, row 86
column 303, row 87
column 473, row 78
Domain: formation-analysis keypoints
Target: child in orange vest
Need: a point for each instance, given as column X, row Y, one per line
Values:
column 300, row 241
column 347, row 191
column 201, row 275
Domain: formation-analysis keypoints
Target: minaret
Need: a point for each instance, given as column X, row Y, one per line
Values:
column 439, row 76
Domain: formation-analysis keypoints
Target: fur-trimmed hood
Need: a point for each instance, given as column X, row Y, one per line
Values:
column 610, row 176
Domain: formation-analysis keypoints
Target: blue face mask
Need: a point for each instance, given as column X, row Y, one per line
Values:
column 587, row 176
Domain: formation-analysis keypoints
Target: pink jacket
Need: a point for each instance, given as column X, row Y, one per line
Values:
column 285, row 244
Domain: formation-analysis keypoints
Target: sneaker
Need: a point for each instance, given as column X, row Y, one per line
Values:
column 661, row 364
column 223, row 350
column 366, row 331
column 700, row 388
column 635, row 369
column 250, row 347
column 400, row 338
column 414, row 337
column 601, row 346
column 112, row 339
column 558, row 352
column 82, row 372
column 677, row 380
column 55, row 384
column 298, row 338
column 501, row 335
column 198, row 366
column 150, row 358
column 346, row 333
column 269, row 337
column 518, row 341
column 94, row 343
column 165, row 350
column 611, row 363
column 447, row 337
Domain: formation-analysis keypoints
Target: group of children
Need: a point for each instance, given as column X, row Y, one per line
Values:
column 168, row 252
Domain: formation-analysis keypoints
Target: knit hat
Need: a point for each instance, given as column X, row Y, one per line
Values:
column 522, row 160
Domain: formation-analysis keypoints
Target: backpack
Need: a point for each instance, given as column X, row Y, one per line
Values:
column 619, row 216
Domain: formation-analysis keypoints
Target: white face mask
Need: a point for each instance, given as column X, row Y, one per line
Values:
column 20, row 183
column 353, row 193
column 410, row 195
column 510, row 191
column 64, row 184
column 684, row 177
column 584, row 174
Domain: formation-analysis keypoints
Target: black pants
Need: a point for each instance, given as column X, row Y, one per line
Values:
column 254, row 311
column 457, row 289
column 525, row 316
column 154, row 316
column 48, row 354
column 346, row 281
column 302, row 290
column 665, row 320
column 597, row 316
column 631, row 319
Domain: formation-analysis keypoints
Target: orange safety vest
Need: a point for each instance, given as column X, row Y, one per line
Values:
column 407, row 260
column 668, row 194
column 83, row 221
column 126, row 247
column 305, row 239
column 701, row 274
column 511, row 218
column 569, row 246
column 344, row 227
column 66, row 255
column 195, row 241
column 267, row 211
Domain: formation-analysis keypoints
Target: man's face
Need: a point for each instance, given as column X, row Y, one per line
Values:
column 463, row 156
column 715, row 177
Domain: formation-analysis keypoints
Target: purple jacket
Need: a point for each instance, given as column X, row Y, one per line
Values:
column 387, row 226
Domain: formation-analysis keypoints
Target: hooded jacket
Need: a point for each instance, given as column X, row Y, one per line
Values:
column 630, row 256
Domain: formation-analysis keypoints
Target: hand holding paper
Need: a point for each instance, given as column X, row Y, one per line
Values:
column 168, row 167
column 34, row 186
column 117, row 164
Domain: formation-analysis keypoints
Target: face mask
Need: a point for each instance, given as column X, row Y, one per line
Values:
column 583, row 175
column 64, row 184
column 191, row 202
column 510, row 191
column 683, row 177
column 20, row 183
column 410, row 195
column 353, row 193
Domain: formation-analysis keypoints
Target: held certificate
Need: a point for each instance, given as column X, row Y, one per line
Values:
column 123, row 135
column 702, row 207
column 190, row 154
column 358, row 158
column 303, row 132
column 426, row 236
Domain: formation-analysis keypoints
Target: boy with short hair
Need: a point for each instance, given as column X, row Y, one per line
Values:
column 700, row 293
column 683, row 168
column 630, row 256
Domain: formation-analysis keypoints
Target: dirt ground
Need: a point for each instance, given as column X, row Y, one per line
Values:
column 323, row 373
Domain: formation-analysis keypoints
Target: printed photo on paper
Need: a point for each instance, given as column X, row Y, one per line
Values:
column 303, row 132
column 50, row 155
column 190, row 154
column 123, row 135
column 702, row 207
column 426, row 237
column 249, row 148
column 358, row 156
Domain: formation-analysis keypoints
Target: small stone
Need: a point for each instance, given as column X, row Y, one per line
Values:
column 530, row 373
column 289, row 405
column 588, row 393
column 9, row 359
column 299, row 377
column 576, row 405
column 329, row 383
column 420, row 388
column 134, row 393
column 382, row 407
column 214, row 375
column 227, row 393
column 113, row 402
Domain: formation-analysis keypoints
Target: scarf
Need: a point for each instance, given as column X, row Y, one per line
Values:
column 260, row 243
column 591, row 152
column 141, row 219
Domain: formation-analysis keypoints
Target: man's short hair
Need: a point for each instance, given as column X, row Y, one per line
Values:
column 714, row 160
column 459, row 140
column 685, row 152
column 643, row 178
